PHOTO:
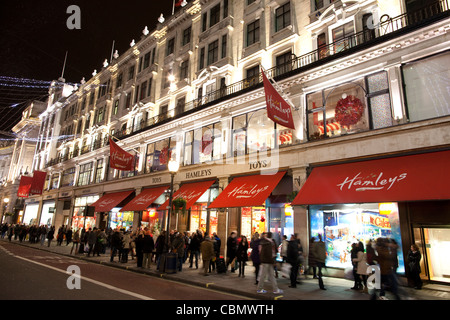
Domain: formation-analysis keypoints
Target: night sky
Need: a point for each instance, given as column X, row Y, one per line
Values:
column 34, row 39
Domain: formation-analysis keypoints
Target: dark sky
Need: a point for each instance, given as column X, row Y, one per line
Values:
column 34, row 39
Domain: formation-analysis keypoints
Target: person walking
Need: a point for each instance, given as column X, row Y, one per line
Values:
column 194, row 247
column 385, row 260
column 116, row 244
column 50, row 235
column 320, row 256
column 75, row 241
column 312, row 263
column 267, row 256
column 231, row 249
column 353, row 257
column 242, row 255
column 207, row 251
column 254, row 255
column 216, row 244
column 361, row 267
column 139, row 247
column 147, row 249
column 161, row 248
column 414, row 257
column 178, row 248
column 293, row 258
column 91, row 239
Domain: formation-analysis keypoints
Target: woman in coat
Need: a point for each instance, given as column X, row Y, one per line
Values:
column 361, row 265
column 241, row 255
column 255, row 254
column 414, row 257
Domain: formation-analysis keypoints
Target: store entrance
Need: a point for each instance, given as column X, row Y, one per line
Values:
column 434, row 245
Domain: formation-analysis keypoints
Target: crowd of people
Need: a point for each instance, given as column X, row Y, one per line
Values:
column 149, row 246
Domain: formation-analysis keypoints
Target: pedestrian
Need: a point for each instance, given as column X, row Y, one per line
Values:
column 231, row 249
column 312, row 263
column 216, row 244
column 414, row 257
column 92, row 239
column 116, row 244
column 242, row 255
column 361, row 267
column 267, row 256
column 178, row 248
column 139, row 247
column 194, row 247
column 69, row 235
column 147, row 249
column 353, row 257
column 161, row 248
column 207, row 251
column 284, row 246
column 320, row 256
column 293, row 258
column 385, row 259
column 75, row 241
column 60, row 236
column 126, row 240
column 254, row 255
column 50, row 235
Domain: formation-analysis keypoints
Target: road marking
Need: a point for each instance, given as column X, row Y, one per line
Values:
column 133, row 294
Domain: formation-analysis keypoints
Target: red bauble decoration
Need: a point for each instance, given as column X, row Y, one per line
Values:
column 348, row 111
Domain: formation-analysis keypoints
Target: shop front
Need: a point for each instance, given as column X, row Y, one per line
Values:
column 30, row 215
column 142, row 207
column 48, row 213
column 194, row 214
column 82, row 216
column 249, row 195
column 366, row 200
column 108, row 209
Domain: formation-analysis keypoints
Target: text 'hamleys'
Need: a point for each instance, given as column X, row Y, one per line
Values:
column 247, row 191
column 371, row 182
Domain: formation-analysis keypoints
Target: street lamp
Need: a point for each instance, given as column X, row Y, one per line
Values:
column 173, row 169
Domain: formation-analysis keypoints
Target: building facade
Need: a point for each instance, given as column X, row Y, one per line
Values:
column 367, row 80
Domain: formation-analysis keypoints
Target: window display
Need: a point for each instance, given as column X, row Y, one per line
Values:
column 253, row 219
column 120, row 219
column 341, row 225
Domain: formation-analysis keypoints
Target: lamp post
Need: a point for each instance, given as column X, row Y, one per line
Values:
column 173, row 169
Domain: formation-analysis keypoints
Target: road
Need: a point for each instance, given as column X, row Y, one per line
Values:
column 30, row 274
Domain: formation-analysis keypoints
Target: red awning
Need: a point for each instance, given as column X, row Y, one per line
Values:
column 110, row 200
column 143, row 200
column 189, row 192
column 248, row 191
column 407, row 178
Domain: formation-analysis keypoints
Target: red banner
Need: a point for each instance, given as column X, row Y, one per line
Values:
column 178, row 3
column 37, row 185
column 24, row 186
column 119, row 159
column 278, row 110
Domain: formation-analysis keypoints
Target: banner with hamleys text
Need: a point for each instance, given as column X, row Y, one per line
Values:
column 119, row 159
column 278, row 110
column 247, row 191
column 37, row 185
column 24, row 186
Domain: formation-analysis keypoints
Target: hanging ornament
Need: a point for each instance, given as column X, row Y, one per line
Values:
column 348, row 111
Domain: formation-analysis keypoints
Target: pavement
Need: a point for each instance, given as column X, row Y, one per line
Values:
column 308, row 289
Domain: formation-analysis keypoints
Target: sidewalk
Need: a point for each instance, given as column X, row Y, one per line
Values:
column 337, row 288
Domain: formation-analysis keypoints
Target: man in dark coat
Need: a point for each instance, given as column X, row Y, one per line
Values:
column 293, row 258
column 147, row 249
column 231, row 249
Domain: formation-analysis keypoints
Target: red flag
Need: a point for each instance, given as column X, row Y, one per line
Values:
column 119, row 159
column 178, row 4
column 277, row 108
column 24, row 186
column 37, row 185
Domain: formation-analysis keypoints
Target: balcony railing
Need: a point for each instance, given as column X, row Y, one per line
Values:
column 380, row 31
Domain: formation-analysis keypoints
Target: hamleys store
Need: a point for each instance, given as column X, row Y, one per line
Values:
column 405, row 198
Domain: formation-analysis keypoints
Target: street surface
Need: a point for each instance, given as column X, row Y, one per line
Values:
column 29, row 274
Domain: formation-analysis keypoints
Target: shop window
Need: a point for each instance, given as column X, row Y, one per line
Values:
column 427, row 84
column 338, row 110
column 340, row 225
column 253, row 220
column 68, row 177
column 239, row 135
column 379, row 100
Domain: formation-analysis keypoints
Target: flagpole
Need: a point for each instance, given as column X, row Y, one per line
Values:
column 278, row 87
column 111, row 136
column 173, row 7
